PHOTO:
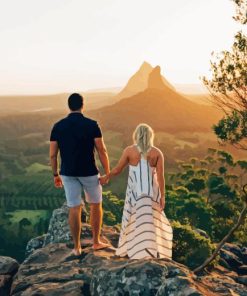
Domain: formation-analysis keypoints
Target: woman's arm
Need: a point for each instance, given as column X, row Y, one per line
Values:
column 122, row 163
column 161, row 178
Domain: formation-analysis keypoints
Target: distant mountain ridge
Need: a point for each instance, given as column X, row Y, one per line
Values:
column 97, row 98
column 160, row 106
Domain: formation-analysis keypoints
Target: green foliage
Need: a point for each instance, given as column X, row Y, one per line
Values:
column 198, row 213
column 209, row 199
column 222, row 170
column 196, row 184
column 182, row 191
column 189, row 247
column 225, row 157
column 232, row 128
column 17, row 230
column 242, row 164
column 113, row 208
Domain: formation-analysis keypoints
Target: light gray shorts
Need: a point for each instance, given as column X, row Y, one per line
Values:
column 73, row 189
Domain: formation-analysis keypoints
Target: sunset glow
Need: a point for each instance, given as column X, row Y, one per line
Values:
column 60, row 45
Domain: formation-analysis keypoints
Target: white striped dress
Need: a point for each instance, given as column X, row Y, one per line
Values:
column 145, row 230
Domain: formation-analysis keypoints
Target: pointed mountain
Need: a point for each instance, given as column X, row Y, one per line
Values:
column 139, row 82
column 161, row 107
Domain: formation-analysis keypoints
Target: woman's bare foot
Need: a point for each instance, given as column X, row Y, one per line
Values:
column 100, row 246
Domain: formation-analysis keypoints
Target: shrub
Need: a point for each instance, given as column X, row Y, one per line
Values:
column 189, row 247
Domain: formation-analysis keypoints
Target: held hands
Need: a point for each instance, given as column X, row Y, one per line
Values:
column 58, row 182
column 104, row 179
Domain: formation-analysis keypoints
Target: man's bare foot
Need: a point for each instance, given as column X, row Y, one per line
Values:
column 77, row 252
column 100, row 246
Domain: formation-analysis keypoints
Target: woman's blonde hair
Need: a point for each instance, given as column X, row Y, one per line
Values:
column 143, row 136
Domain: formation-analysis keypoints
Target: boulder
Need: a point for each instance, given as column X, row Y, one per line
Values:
column 8, row 268
column 232, row 260
column 179, row 286
column 8, row 265
column 58, row 230
column 242, row 270
column 235, row 249
column 34, row 244
column 244, row 254
column 242, row 280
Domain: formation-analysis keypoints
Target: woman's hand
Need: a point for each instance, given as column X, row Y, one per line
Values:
column 162, row 203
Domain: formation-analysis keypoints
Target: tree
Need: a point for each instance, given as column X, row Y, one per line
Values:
column 196, row 184
column 228, row 86
column 240, row 220
column 241, row 11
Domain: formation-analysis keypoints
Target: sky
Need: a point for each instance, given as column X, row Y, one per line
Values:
column 51, row 46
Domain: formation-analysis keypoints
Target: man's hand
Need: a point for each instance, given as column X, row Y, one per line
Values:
column 162, row 203
column 58, row 182
column 104, row 180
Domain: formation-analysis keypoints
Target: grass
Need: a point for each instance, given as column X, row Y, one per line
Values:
column 32, row 215
column 37, row 167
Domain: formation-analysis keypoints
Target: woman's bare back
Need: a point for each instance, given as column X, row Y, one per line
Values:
column 134, row 155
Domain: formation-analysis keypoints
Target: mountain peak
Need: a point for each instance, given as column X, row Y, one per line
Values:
column 146, row 67
column 155, row 79
column 145, row 77
column 137, row 82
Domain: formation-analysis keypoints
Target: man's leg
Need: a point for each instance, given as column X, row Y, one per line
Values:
column 75, row 227
column 96, row 215
column 73, row 190
column 96, row 221
column 93, row 194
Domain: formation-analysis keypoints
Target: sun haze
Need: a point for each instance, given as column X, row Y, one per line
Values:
column 61, row 46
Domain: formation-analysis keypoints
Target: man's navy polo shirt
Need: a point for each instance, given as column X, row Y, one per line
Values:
column 75, row 136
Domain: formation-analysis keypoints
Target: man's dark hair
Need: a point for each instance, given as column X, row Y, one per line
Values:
column 75, row 102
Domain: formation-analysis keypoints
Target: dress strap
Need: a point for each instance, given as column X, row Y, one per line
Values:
column 139, row 149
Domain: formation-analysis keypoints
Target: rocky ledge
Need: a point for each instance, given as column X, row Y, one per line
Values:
column 50, row 269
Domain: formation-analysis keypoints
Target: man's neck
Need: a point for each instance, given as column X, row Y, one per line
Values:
column 78, row 111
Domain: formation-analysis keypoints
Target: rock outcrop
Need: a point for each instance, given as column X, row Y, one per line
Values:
column 51, row 269
column 8, row 268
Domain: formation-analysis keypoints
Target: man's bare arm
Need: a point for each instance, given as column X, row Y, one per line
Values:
column 103, row 155
column 53, row 156
column 53, row 160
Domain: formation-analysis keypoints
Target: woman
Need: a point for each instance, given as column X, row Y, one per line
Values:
column 145, row 231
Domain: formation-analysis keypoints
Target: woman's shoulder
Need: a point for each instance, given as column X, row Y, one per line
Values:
column 157, row 151
column 129, row 149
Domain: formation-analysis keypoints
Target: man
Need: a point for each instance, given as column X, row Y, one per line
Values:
column 76, row 138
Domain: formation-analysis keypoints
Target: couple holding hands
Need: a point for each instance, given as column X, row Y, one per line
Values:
column 145, row 230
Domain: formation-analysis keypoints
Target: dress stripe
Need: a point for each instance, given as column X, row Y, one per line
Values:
column 140, row 165
column 148, row 179
column 135, row 176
